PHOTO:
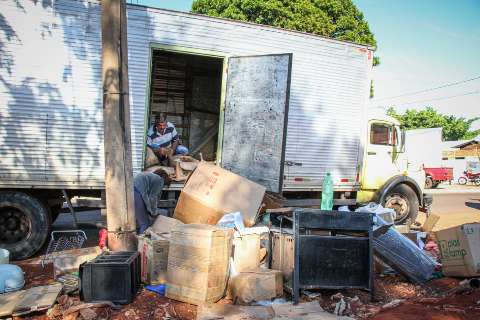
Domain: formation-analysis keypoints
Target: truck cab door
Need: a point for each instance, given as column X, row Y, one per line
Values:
column 255, row 118
column 381, row 154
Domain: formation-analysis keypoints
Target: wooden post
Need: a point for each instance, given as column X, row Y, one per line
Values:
column 116, row 117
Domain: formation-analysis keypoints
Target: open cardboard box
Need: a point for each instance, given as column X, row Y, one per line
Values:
column 210, row 192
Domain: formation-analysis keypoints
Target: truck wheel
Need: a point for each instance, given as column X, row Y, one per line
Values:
column 462, row 180
column 404, row 201
column 24, row 224
column 428, row 183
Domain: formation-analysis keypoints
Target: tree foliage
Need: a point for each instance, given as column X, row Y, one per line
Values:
column 339, row 19
column 453, row 128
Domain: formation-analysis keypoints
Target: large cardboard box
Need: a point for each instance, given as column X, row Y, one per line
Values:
column 460, row 250
column 211, row 192
column 154, row 259
column 256, row 285
column 198, row 263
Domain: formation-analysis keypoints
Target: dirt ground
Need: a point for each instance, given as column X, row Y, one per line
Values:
column 436, row 300
column 395, row 297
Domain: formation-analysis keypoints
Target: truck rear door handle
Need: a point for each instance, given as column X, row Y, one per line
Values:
column 371, row 153
column 293, row 163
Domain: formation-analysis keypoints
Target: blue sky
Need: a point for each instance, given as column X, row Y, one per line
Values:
column 421, row 44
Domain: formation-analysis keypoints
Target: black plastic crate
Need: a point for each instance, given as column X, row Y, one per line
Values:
column 112, row 276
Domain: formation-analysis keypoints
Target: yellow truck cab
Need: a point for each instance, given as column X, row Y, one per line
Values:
column 386, row 176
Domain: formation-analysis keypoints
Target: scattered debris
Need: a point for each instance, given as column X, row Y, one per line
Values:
column 233, row 312
column 340, row 307
column 393, row 303
column 311, row 295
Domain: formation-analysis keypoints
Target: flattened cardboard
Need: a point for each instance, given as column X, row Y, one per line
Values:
column 25, row 301
column 460, row 250
column 430, row 223
column 210, row 192
column 232, row 312
column 198, row 263
column 154, row 259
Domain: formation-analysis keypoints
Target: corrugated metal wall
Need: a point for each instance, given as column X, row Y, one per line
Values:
column 51, row 130
column 50, row 71
column 328, row 94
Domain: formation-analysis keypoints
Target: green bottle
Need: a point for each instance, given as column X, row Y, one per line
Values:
column 327, row 193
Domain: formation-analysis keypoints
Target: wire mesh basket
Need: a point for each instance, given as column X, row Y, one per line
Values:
column 63, row 240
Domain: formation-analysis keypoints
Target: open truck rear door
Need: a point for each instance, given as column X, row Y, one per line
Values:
column 256, row 112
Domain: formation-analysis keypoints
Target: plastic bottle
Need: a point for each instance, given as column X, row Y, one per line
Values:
column 327, row 193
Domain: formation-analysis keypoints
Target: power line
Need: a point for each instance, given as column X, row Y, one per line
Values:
column 430, row 89
column 441, row 98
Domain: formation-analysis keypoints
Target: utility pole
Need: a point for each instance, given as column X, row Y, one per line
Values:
column 116, row 118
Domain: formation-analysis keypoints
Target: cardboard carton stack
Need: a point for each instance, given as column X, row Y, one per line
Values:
column 195, row 258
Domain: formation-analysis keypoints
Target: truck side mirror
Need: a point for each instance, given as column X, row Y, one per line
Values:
column 402, row 140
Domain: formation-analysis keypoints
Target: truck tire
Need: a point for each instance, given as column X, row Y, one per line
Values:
column 24, row 224
column 404, row 201
column 428, row 183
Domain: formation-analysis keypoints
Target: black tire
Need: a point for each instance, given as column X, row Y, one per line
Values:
column 435, row 185
column 429, row 183
column 24, row 224
column 462, row 181
column 404, row 201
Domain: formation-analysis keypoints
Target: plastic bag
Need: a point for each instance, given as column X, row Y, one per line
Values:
column 232, row 220
column 387, row 214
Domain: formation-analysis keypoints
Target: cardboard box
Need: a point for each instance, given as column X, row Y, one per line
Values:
column 68, row 261
column 257, row 285
column 210, row 192
column 246, row 252
column 198, row 263
column 163, row 225
column 460, row 250
column 282, row 254
column 154, row 259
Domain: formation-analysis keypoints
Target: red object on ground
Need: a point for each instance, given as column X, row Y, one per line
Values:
column 435, row 176
column 102, row 238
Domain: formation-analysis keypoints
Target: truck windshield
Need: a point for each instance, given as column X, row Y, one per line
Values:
column 383, row 134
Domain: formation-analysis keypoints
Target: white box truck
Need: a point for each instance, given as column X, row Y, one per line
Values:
column 279, row 107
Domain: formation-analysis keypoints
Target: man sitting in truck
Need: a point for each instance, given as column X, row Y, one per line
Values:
column 163, row 140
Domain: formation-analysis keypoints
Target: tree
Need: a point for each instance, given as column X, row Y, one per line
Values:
column 339, row 19
column 453, row 128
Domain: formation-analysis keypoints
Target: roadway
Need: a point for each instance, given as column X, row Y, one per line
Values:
column 456, row 206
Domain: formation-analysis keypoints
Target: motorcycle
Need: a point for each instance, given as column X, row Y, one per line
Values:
column 469, row 177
